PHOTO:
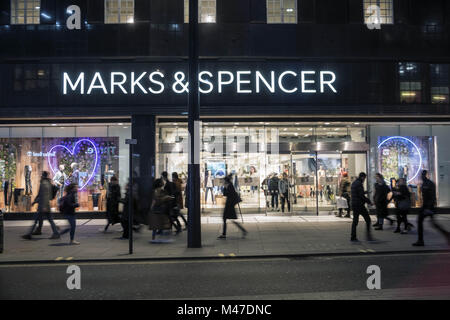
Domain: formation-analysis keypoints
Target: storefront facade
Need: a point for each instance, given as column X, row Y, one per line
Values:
column 274, row 99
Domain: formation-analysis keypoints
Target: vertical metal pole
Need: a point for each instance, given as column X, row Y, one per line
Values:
column 130, row 204
column 194, row 219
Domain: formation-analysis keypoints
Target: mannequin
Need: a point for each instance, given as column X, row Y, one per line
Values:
column 28, row 188
column 75, row 176
column 209, row 186
column 60, row 180
column 405, row 172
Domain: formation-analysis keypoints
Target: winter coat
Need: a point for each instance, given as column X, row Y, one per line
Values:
column 381, row 193
column 112, row 202
column 283, row 186
column 359, row 198
column 179, row 193
column 68, row 203
column 232, row 199
column 273, row 184
column 344, row 187
column 402, row 194
column 159, row 213
column 44, row 195
column 428, row 194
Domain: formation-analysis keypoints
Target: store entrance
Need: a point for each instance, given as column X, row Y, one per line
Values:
column 315, row 179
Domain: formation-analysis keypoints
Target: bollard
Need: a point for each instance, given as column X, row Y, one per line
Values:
column 1, row 231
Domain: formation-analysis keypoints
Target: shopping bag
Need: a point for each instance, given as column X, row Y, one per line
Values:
column 341, row 203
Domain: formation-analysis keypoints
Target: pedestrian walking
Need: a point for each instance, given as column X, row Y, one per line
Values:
column 359, row 201
column 67, row 207
column 265, row 188
column 112, row 203
column 179, row 196
column 283, row 189
column 159, row 212
column 230, row 211
column 46, row 193
column 402, row 198
column 380, row 200
column 344, row 192
column 171, row 190
column 428, row 210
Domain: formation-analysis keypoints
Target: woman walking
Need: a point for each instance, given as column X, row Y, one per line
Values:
column 229, row 211
column 381, row 201
column 402, row 199
column 67, row 206
column 178, row 197
column 344, row 192
column 112, row 203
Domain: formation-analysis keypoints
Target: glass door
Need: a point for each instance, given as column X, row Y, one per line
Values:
column 303, row 183
column 329, row 170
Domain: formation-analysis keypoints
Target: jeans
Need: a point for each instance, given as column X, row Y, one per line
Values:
column 38, row 218
column 274, row 199
column 211, row 189
column 73, row 224
column 361, row 211
column 284, row 199
column 382, row 213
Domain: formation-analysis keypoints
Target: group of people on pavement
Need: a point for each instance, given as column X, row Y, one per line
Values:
column 402, row 198
column 277, row 188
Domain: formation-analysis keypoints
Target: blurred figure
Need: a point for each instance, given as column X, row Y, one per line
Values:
column 112, row 202
column 125, row 213
column 229, row 211
column 428, row 209
column 179, row 196
column 344, row 192
column 402, row 198
column 380, row 200
column 170, row 189
column 43, row 198
column 359, row 201
column 273, row 190
column 283, row 188
column 265, row 187
column 159, row 211
column 67, row 207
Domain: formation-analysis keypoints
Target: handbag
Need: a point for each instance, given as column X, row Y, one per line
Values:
column 341, row 203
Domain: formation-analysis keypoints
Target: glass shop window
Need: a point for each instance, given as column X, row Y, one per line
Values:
column 281, row 11
column 386, row 11
column 25, row 11
column 206, row 11
column 119, row 11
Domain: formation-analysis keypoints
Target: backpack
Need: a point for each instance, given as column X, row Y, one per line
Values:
column 273, row 184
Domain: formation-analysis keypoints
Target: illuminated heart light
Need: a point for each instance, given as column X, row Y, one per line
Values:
column 415, row 147
column 72, row 152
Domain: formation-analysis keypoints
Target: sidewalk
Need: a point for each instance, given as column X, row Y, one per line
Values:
column 268, row 236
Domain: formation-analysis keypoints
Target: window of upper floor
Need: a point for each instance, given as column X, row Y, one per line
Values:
column 119, row 11
column 25, row 11
column 378, row 11
column 281, row 11
column 206, row 11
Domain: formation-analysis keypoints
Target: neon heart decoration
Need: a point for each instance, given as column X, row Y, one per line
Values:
column 72, row 152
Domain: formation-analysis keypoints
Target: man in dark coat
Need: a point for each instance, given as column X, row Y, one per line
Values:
column 112, row 202
column 428, row 209
column 381, row 201
column 229, row 211
column 359, row 201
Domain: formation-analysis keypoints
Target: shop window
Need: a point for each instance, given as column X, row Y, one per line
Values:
column 25, row 11
column 386, row 11
column 119, row 11
column 439, row 83
column 411, row 82
column 281, row 11
column 206, row 11
column 411, row 92
column 31, row 77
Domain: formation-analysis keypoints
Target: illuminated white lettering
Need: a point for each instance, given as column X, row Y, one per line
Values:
column 159, row 83
column 270, row 86
column 239, row 81
column 221, row 81
column 280, row 81
column 74, row 20
column 136, row 82
column 329, row 82
column 98, row 77
column 304, row 82
column 210, row 85
column 80, row 81
column 120, row 83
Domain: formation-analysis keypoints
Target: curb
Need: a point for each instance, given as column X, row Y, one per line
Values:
column 243, row 257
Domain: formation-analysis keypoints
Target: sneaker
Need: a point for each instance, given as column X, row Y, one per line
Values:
column 55, row 236
column 37, row 233
column 26, row 237
column 221, row 237
column 73, row 242
column 418, row 244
